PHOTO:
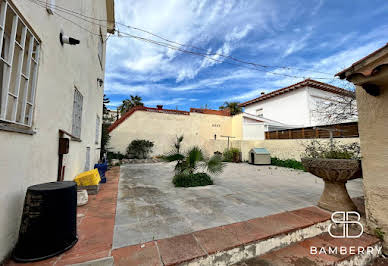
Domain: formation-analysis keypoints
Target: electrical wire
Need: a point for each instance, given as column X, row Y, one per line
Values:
column 85, row 18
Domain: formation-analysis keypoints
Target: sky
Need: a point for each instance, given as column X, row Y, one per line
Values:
column 304, row 39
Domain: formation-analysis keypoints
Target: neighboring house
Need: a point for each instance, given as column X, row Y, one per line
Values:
column 203, row 127
column 370, row 75
column 48, row 91
column 112, row 115
column 296, row 105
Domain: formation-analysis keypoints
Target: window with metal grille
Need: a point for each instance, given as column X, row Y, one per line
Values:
column 77, row 113
column 18, row 67
column 97, row 129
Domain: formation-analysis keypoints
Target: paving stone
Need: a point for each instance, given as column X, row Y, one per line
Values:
column 279, row 223
column 139, row 255
column 313, row 213
column 216, row 239
column 179, row 249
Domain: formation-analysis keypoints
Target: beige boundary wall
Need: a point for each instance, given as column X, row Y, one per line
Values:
column 199, row 130
column 283, row 149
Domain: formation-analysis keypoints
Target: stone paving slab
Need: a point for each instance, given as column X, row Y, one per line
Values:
column 149, row 207
column 202, row 244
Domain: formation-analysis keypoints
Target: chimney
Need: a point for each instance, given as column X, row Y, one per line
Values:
column 159, row 106
column 262, row 93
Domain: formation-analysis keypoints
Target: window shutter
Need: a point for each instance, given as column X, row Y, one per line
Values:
column 97, row 129
column 77, row 113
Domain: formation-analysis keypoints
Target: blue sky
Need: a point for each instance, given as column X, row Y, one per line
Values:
column 314, row 35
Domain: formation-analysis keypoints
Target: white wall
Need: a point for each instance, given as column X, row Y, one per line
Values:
column 290, row 108
column 315, row 99
column 253, row 131
column 26, row 160
column 294, row 108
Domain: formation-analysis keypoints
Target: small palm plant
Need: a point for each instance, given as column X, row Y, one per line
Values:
column 191, row 166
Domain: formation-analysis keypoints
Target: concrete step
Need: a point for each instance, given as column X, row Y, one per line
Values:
column 229, row 244
column 322, row 250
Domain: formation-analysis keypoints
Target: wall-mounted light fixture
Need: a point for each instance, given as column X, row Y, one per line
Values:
column 100, row 82
column 66, row 39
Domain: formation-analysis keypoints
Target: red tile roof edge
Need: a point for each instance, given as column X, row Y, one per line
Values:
column 166, row 111
column 147, row 109
column 341, row 74
column 304, row 83
column 225, row 112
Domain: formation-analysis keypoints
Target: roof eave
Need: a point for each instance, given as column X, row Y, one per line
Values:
column 367, row 65
column 110, row 14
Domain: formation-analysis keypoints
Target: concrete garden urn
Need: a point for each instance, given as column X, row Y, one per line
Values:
column 335, row 173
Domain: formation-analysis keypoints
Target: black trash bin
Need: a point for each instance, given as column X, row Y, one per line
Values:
column 49, row 221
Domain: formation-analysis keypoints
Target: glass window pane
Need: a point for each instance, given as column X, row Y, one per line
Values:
column 31, row 82
column 11, row 102
column 22, row 92
column 27, row 116
column 15, row 61
column 25, row 59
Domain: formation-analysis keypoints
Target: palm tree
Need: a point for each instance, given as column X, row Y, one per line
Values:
column 232, row 106
column 193, row 160
column 130, row 103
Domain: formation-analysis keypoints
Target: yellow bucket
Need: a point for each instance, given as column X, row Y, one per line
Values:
column 89, row 178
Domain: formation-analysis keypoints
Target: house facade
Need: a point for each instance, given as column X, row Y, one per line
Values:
column 50, row 90
column 296, row 105
column 370, row 75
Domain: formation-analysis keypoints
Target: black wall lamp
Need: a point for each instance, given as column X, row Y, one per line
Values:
column 66, row 39
column 100, row 82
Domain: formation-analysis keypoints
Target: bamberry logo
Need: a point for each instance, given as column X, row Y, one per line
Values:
column 343, row 218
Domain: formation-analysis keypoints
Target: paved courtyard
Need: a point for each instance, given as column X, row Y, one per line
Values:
column 150, row 207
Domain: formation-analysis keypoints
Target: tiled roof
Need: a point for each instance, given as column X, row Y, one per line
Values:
column 225, row 112
column 146, row 109
column 369, row 72
column 166, row 111
column 305, row 83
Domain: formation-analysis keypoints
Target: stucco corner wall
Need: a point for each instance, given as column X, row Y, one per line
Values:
column 373, row 128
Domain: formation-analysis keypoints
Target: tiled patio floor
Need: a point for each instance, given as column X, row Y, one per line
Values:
column 149, row 206
column 96, row 224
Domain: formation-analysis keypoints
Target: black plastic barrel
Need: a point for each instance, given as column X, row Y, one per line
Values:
column 49, row 221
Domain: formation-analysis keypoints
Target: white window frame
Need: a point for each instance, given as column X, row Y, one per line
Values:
column 50, row 4
column 97, row 129
column 77, row 114
column 25, row 118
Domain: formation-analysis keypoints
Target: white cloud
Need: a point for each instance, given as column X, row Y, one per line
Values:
column 188, row 22
column 173, row 101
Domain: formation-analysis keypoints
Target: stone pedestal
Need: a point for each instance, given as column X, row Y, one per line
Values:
column 335, row 173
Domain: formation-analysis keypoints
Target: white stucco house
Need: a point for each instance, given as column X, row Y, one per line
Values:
column 294, row 105
column 49, row 90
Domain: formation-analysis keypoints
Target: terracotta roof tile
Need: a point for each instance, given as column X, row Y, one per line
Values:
column 305, row 83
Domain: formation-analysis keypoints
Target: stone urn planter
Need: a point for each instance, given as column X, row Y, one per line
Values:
column 335, row 173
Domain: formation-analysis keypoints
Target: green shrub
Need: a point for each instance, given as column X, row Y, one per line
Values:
column 231, row 155
column 289, row 163
column 115, row 155
column 192, row 180
column 139, row 148
column 333, row 150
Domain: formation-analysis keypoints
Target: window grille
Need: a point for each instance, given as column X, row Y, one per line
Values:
column 18, row 67
column 77, row 113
